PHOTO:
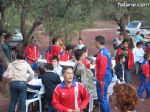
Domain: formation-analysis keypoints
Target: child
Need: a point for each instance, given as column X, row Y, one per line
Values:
column 119, row 68
column 145, row 76
column 127, row 52
column 138, row 53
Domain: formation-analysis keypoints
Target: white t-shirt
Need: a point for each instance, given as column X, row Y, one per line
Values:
column 80, row 46
column 138, row 54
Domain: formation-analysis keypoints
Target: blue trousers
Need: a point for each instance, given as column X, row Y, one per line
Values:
column 18, row 90
column 102, row 96
column 127, row 76
column 145, row 85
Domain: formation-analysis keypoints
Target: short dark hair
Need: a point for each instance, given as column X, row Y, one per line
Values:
column 54, row 40
column 20, row 55
column 139, row 43
column 121, row 56
column 8, row 35
column 78, row 53
column 84, row 49
column 69, row 47
column 126, row 40
column 49, row 66
column 100, row 39
column 146, row 56
column 80, row 39
column 55, row 58
column 66, row 68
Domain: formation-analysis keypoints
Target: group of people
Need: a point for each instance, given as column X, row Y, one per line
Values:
column 68, row 89
column 133, row 59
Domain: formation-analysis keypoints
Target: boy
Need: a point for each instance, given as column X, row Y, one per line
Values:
column 145, row 77
column 70, row 96
column 127, row 52
column 138, row 54
column 119, row 68
column 53, row 50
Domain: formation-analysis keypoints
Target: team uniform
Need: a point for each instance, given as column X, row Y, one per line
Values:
column 32, row 55
column 51, row 51
column 64, row 97
column 145, row 77
column 65, row 56
column 104, row 74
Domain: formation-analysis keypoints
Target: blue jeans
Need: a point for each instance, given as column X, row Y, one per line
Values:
column 127, row 76
column 102, row 97
column 18, row 90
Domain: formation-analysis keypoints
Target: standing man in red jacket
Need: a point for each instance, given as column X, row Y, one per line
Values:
column 103, row 73
column 53, row 50
column 70, row 96
column 32, row 53
column 127, row 52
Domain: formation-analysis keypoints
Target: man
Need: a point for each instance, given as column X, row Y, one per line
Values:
column 103, row 73
column 32, row 53
column 70, row 96
column 6, row 47
column 80, row 44
column 53, row 50
column 50, row 81
column 127, row 52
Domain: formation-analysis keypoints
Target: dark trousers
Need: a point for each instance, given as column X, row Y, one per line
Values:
column 50, row 107
column 127, row 76
column 18, row 91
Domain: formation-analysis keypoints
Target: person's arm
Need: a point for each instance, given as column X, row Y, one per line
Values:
column 85, row 98
column 56, row 103
column 145, row 70
column 30, row 71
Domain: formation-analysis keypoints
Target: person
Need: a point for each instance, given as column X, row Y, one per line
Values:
column 50, row 81
column 20, row 71
column 86, row 61
column 145, row 77
column 117, row 42
column 70, row 96
column 147, row 50
column 81, row 73
column 53, row 50
column 103, row 73
column 124, row 98
column 138, row 37
column 6, row 47
column 120, row 68
column 127, row 52
column 80, row 44
column 32, row 53
column 57, row 68
column 138, row 53
column 67, row 54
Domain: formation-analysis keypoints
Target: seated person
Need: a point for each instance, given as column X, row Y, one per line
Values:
column 124, row 98
column 50, row 81
column 57, row 68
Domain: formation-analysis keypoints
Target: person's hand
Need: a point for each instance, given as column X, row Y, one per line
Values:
column 78, row 110
column 70, row 110
column 100, row 83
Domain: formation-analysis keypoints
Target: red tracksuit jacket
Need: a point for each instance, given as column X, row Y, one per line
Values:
column 65, row 57
column 146, row 69
column 51, row 51
column 130, row 59
column 64, row 98
column 32, row 53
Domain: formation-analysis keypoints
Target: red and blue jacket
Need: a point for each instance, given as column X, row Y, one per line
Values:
column 130, row 57
column 65, row 56
column 64, row 97
column 51, row 51
column 103, row 65
column 32, row 53
column 146, row 69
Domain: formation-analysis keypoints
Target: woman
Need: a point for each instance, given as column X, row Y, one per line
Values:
column 82, row 74
column 124, row 98
column 20, row 71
